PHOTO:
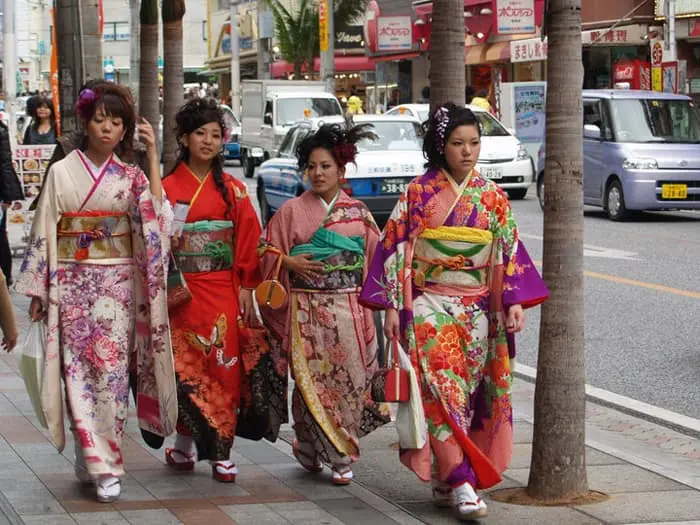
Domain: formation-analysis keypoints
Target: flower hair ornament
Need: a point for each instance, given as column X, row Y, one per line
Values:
column 86, row 103
column 442, row 118
column 345, row 153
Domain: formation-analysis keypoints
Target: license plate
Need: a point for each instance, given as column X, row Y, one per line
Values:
column 674, row 191
column 492, row 173
column 394, row 185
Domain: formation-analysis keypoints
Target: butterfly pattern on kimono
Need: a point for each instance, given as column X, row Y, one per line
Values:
column 215, row 342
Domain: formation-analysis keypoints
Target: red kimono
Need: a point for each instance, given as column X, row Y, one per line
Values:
column 217, row 255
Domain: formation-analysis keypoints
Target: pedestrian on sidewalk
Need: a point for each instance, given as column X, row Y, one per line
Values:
column 42, row 130
column 216, row 253
column 8, row 324
column 94, row 268
column 324, row 240
column 10, row 190
column 454, row 278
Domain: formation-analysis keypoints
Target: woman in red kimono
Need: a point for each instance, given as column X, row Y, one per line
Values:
column 216, row 253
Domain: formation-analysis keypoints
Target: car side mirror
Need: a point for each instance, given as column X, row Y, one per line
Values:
column 268, row 119
column 591, row 131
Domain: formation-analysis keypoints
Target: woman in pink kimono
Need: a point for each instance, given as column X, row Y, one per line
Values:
column 455, row 279
column 325, row 240
column 94, row 268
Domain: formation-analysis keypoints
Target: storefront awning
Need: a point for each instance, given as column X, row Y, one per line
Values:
column 402, row 56
column 282, row 68
column 487, row 53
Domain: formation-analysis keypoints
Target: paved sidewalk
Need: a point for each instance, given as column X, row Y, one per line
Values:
column 651, row 473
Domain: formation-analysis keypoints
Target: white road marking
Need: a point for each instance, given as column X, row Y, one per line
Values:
column 590, row 250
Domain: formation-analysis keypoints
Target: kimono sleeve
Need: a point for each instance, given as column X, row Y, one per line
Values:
column 248, row 231
column 36, row 274
column 146, row 208
column 522, row 283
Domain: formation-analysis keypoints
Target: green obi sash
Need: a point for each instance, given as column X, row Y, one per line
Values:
column 206, row 246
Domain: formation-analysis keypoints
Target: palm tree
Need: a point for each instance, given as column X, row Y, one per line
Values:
column 447, row 53
column 558, row 469
column 148, row 70
column 173, row 77
column 297, row 33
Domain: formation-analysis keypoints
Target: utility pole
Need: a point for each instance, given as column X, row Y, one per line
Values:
column 670, row 7
column 91, row 30
column 70, row 64
column 235, row 60
column 326, row 26
column 266, row 26
column 135, row 48
column 9, row 61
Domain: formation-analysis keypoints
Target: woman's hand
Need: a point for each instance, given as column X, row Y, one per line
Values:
column 36, row 309
column 303, row 265
column 8, row 343
column 516, row 319
column 148, row 137
column 391, row 324
column 247, row 306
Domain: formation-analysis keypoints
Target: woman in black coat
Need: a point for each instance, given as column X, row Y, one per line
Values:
column 10, row 190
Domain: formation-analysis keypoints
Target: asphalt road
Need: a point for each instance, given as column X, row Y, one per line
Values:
column 642, row 300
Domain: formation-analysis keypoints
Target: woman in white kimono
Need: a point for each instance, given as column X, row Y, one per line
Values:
column 94, row 268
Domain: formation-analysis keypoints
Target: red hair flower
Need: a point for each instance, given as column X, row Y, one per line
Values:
column 345, row 153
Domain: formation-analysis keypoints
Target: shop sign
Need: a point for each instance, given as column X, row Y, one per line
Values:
column 626, row 36
column 657, row 54
column 683, row 7
column 695, row 85
column 694, row 30
column 323, row 24
column 351, row 37
column 657, row 79
column 529, row 50
column 515, row 16
column 394, row 33
column 670, row 77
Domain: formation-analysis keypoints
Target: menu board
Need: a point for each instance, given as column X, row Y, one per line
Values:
column 530, row 113
column 30, row 163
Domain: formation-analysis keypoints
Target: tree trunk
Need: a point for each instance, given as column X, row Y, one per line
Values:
column 173, row 77
column 92, row 40
column 558, row 468
column 447, row 65
column 148, row 70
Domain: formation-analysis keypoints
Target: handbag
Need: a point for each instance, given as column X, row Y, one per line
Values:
column 178, row 291
column 391, row 385
column 271, row 293
column 410, row 417
column 31, row 365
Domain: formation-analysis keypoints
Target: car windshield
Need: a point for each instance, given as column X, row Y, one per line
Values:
column 655, row 120
column 394, row 135
column 490, row 127
column 290, row 110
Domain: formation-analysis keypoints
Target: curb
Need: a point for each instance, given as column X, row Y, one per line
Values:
column 660, row 416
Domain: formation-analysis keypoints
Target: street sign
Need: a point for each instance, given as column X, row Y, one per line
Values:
column 323, row 24
column 657, row 79
column 657, row 54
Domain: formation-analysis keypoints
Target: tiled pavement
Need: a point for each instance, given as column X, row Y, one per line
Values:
column 651, row 473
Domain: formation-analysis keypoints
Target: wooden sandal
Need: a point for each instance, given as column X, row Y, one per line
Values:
column 342, row 475
column 229, row 476
column 183, row 466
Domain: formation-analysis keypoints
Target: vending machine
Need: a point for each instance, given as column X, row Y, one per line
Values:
column 522, row 109
column 632, row 74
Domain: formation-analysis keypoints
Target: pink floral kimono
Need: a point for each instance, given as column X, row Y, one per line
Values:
column 323, row 331
column 96, row 259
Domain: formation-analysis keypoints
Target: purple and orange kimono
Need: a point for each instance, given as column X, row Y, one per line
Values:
column 450, row 261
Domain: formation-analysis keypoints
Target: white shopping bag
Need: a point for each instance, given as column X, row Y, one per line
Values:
column 30, row 360
column 410, row 418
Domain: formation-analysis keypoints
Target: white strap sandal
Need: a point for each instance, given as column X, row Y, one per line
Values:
column 468, row 505
column 342, row 475
column 109, row 489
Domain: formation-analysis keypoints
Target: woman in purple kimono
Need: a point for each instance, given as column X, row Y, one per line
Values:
column 454, row 279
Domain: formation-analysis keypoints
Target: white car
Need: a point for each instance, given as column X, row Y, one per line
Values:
column 384, row 166
column 504, row 159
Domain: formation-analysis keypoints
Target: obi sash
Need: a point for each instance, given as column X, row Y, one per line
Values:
column 343, row 257
column 453, row 260
column 206, row 246
column 86, row 236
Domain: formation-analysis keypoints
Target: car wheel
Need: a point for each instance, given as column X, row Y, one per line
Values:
column 517, row 195
column 615, row 202
column 540, row 191
column 248, row 166
column 265, row 214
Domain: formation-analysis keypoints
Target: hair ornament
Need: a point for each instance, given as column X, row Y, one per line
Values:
column 442, row 118
column 85, row 103
column 345, row 153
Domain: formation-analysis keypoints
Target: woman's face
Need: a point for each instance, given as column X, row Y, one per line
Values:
column 43, row 112
column 324, row 173
column 104, row 132
column 204, row 143
column 462, row 150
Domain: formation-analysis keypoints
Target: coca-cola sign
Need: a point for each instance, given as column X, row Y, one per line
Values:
column 515, row 16
column 394, row 33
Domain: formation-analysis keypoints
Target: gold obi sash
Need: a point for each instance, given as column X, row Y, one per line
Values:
column 456, row 258
column 94, row 236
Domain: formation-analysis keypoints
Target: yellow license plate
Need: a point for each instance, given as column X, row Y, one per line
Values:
column 674, row 191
